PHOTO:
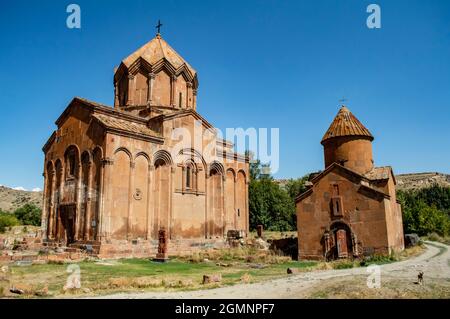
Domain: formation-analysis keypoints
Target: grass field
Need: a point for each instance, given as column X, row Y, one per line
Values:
column 97, row 277
column 236, row 265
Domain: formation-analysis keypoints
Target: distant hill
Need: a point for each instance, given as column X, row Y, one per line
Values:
column 11, row 199
column 408, row 181
column 421, row 180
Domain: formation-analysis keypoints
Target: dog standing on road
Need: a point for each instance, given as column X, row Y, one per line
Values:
column 420, row 278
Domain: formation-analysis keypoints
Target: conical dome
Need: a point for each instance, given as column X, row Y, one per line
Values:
column 346, row 124
column 156, row 50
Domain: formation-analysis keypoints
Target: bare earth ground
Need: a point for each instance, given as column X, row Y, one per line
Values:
column 398, row 280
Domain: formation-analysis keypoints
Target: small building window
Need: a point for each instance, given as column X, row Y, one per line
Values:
column 239, row 212
column 188, row 176
column 337, row 206
column 180, row 99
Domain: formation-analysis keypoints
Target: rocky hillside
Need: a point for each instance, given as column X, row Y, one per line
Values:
column 422, row 180
column 11, row 199
column 408, row 181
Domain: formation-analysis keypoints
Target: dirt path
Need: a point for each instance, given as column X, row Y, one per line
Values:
column 434, row 262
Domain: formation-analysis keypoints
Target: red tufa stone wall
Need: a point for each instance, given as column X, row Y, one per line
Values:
column 365, row 216
column 113, row 179
column 346, row 213
column 352, row 152
column 146, row 248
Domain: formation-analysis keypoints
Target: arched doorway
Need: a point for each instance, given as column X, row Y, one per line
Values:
column 337, row 241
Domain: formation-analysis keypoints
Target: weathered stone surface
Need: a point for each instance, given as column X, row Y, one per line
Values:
column 115, row 176
column 351, row 207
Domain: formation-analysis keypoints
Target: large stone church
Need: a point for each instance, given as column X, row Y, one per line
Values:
column 350, row 209
column 116, row 176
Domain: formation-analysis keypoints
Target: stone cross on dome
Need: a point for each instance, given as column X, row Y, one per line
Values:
column 343, row 100
column 158, row 26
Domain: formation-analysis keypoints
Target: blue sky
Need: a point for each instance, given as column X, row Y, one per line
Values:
column 267, row 64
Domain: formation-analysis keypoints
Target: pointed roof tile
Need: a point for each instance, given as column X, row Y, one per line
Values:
column 346, row 124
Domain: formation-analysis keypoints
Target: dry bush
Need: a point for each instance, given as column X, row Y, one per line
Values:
column 146, row 282
column 246, row 278
column 239, row 254
column 120, row 282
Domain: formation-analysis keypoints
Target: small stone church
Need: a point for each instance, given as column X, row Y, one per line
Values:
column 116, row 176
column 349, row 209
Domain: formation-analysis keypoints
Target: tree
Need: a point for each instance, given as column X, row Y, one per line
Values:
column 295, row 187
column 270, row 205
column 29, row 214
column 426, row 210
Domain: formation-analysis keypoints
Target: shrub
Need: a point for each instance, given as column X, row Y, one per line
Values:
column 29, row 214
column 344, row 264
column 6, row 221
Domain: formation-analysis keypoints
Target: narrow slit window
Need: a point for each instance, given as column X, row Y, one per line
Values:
column 188, row 177
column 180, row 99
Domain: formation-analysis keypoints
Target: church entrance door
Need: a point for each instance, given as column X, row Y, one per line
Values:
column 68, row 222
column 341, row 243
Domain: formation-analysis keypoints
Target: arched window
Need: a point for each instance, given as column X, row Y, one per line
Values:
column 190, row 176
column 71, row 162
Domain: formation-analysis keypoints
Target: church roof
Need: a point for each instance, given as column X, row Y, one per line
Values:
column 379, row 173
column 124, row 125
column 154, row 51
column 346, row 124
column 366, row 180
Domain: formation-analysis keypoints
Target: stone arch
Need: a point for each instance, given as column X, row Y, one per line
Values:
column 140, row 197
column 193, row 153
column 241, row 210
column 218, row 167
column 215, row 194
column 72, row 160
column 338, row 240
column 190, row 174
column 230, row 201
column 95, row 192
column 86, row 163
column 162, row 191
column 120, row 193
column 125, row 150
column 241, row 171
column 97, row 150
column 143, row 154
column 87, row 155
column 162, row 155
